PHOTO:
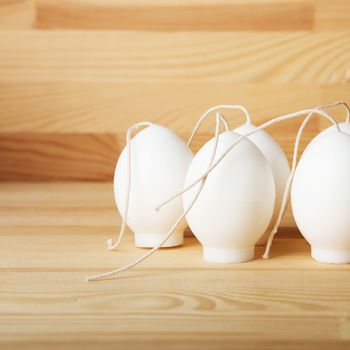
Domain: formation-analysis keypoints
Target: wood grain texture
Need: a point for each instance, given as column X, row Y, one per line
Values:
column 88, row 157
column 272, row 57
column 102, row 107
column 332, row 15
column 175, row 15
column 72, row 92
column 40, row 157
column 173, row 300
column 92, row 201
column 77, row 130
column 17, row 14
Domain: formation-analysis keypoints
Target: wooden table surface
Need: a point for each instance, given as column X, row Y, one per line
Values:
column 52, row 235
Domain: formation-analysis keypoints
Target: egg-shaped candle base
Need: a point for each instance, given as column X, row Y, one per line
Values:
column 228, row 256
column 150, row 240
column 331, row 256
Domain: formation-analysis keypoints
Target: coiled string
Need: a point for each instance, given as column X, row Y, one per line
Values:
column 154, row 249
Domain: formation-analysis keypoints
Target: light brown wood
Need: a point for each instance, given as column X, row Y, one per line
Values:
column 88, row 157
column 47, row 156
column 332, row 15
column 52, row 235
column 268, row 57
column 104, row 107
column 90, row 201
column 68, row 95
column 173, row 15
column 17, row 14
column 76, row 130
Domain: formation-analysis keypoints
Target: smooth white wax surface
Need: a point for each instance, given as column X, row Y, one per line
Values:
column 345, row 127
column 320, row 197
column 236, row 202
column 159, row 162
column 279, row 165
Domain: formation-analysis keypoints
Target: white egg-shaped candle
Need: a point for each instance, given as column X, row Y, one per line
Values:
column 159, row 162
column 320, row 197
column 279, row 165
column 236, row 203
column 345, row 127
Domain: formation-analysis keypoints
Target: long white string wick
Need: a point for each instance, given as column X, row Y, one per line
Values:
column 171, row 231
column 212, row 165
column 201, row 119
column 291, row 176
column 287, row 188
column 335, row 104
column 136, row 126
column 338, row 103
column 212, row 109
column 242, row 137
column 110, row 244
column 223, row 121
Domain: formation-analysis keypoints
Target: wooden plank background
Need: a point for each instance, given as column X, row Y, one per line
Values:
column 75, row 74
